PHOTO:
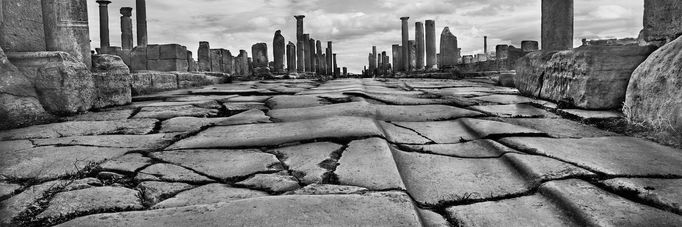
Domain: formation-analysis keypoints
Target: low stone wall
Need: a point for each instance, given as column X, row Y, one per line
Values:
column 112, row 81
column 588, row 77
column 147, row 82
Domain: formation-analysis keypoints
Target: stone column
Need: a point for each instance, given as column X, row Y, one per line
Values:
column 141, row 13
column 395, row 54
column 430, row 44
column 419, row 37
column 529, row 45
column 291, row 57
column 336, row 67
column 485, row 45
column 313, row 57
column 323, row 59
column 373, row 62
column 104, row 24
column 126, row 28
column 278, row 50
column 345, row 71
column 448, row 49
column 320, row 60
column 330, row 61
column 204, row 56
column 66, row 28
column 557, row 24
column 300, row 52
column 413, row 54
column 406, row 47
column 306, row 43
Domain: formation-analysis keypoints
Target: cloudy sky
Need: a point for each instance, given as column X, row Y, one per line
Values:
column 357, row 25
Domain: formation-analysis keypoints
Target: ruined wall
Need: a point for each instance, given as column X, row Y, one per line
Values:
column 21, row 26
column 662, row 20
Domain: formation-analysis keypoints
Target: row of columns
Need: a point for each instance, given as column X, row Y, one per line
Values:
column 309, row 56
column 126, row 25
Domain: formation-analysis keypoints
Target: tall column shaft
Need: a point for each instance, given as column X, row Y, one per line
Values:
column 419, row 37
column 431, row 44
column 278, row 51
column 406, row 39
column 320, row 61
column 141, row 14
column 307, row 52
column 557, row 24
column 330, row 60
column 291, row 57
column 104, row 23
column 126, row 28
column 66, row 28
column 485, row 45
column 336, row 67
column 300, row 56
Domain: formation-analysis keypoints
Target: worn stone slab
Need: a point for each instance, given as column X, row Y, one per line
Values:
column 91, row 200
column 506, row 99
column 621, row 156
column 515, row 111
column 595, row 206
column 168, row 112
column 665, row 193
column 280, row 133
column 223, row 91
column 295, row 101
column 413, row 99
column 432, row 219
column 368, row 163
column 188, row 124
column 81, row 128
column 592, row 115
column 111, row 115
column 372, row 209
column 328, row 189
column 137, row 142
column 15, row 145
column 534, row 210
column 402, row 135
column 466, row 129
column 422, row 113
column 487, row 129
column 42, row 163
column 126, row 163
column 243, row 106
column 353, row 109
column 277, row 183
column 154, row 192
column 306, row 161
column 209, row 194
column 434, row 180
column 254, row 98
column 559, row 128
column 473, row 149
column 7, row 189
column 171, row 173
column 207, row 98
column 222, row 164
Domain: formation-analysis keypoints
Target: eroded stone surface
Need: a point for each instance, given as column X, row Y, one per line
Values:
column 223, row 164
column 514, row 110
column 81, row 128
column 472, row 149
column 280, row 133
column 187, row 124
column 369, row 163
column 155, row 191
column 432, row 219
column 111, row 115
column 305, row 161
column 610, row 155
column 592, row 115
column 559, row 128
column 244, row 106
column 137, row 142
column 172, row 173
column 663, row 192
column 209, row 194
column 532, row 210
column 390, row 208
column 463, row 130
column 126, row 163
column 398, row 134
column 328, row 189
column 7, row 189
column 15, row 145
column 271, row 182
column 90, row 200
column 295, row 101
column 168, row 112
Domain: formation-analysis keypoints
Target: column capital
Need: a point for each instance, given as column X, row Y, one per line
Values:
column 299, row 17
column 103, row 2
column 126, row 11
column 404, row 18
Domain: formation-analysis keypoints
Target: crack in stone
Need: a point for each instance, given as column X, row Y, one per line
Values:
column 415, row 131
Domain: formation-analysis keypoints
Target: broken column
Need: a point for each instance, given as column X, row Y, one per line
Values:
column 260, row 59
column 126, row 28
column 406, row 39
column 419, row 36
column 216, row 60
column 278, row 51
column 66, row 28
column 306, row 49
column 291, row 57
column 104, row 23
column 557, row 24
column 330, row 61
column 204, row 55
column 529, row 46
column 430, row 44
column 449, row 52
column 141, row 10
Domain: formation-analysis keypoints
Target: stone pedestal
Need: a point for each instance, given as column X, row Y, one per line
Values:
column 204, row 56
column 557, row 25
column 430, row 45
column 449, row 52
column 104, row 23
column 291, row 57
column 278, row 51
column 66, row 28
column 126, row 28
column 141, row 11
column 406, row 39
column 419, row 37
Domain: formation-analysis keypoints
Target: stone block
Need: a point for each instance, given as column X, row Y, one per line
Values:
column 21, row 23
column 162, row 81
column 151, row 81
column 654, row 95
column 112, row 81
column 172, row 51
column 216, row 60
column 662, row 20
column 153, row 52
column 138, row 59
column 588, row 77
column 63, row 83
column 187, row 80
column 141, row 83
column 168, row 65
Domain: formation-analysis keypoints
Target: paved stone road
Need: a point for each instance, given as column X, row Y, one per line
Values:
column 345, row 152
